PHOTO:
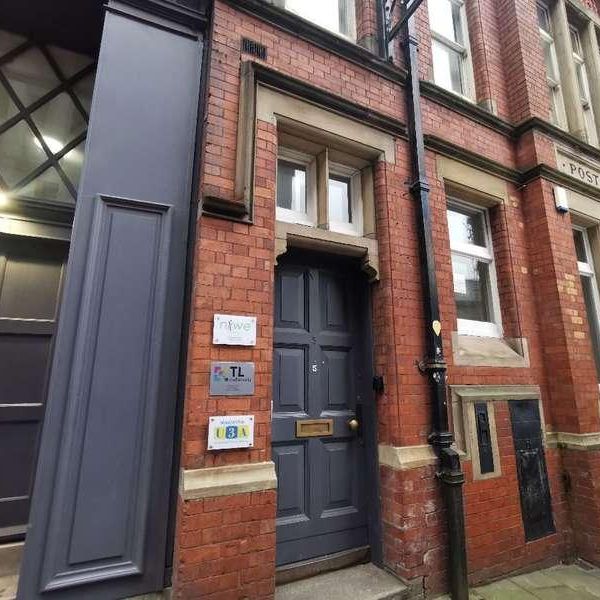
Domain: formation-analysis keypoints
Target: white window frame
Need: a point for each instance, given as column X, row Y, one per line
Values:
column 351, row 10
column 554, row 86
column 587, row 270
column 466, row 64
column 485, row 254
column 585, row 97
column 309, row 163
column 356, row 227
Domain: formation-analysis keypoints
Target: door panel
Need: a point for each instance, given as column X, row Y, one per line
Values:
column 317, row 375
column 536, row 505
column 31, row 272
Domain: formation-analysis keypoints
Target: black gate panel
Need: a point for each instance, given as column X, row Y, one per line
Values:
column 536, row 506
column 101, row 498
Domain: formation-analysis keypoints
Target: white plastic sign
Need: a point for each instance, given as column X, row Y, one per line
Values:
column 234, row 330
column 236, row 431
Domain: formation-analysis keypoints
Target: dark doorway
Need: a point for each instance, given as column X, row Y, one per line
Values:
column 31, row 273
column 323, row 433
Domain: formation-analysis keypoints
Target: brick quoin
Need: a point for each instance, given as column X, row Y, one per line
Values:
column 225, row 546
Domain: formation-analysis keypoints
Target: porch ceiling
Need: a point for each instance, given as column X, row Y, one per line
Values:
column 74, row 24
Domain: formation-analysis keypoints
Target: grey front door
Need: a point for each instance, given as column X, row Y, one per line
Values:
column 320, row 375
column 31, row 273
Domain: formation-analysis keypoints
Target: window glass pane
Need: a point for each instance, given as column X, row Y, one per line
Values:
column 69, row 62
column 587, row 283
column 471, row 288
column 7, row 106
column 447, row 67
column 575, row 42
column 59, row 121
column 30, row 75
column 543, row 18
column 580, row 249
column 84, row 89
column 335, row 15
column 291, row 186
column 72, row 162
column 581, row 80
column 466, row 227
column 444, row 18
column 20, row 153
column 47, row 186
column 556, row 106
column 590, row 126
column 340, row 208
column 549, row 59
column 9, row 41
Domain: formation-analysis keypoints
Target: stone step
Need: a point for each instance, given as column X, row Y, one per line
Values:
column 8, row 587
column 361, row 582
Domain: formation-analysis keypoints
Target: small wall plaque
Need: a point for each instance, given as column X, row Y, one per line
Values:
column 236, row 431
column 231, row 378
column 234, row 330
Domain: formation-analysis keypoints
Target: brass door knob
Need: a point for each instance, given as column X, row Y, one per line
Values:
column 353, row 424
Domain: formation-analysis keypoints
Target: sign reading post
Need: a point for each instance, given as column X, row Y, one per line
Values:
column 236, row 431
column 233, row 330
column 231, row 378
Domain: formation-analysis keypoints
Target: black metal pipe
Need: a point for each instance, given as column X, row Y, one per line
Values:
column 434, row 366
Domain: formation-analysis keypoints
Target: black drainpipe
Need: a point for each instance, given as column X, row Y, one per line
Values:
column 434, row 365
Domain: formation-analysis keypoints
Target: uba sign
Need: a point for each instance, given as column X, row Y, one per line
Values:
column 233, row 330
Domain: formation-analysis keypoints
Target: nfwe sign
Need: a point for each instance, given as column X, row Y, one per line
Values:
column 233, row 330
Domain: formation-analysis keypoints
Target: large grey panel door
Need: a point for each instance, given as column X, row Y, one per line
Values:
column 320, row 373
column 100, row 506
column 31, row 272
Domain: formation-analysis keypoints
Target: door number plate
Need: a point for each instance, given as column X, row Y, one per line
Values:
column 314, row 428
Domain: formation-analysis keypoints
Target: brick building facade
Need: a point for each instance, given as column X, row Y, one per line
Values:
column 172, row 169
column 492, row 151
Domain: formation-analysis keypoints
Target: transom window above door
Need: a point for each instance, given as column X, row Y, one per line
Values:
column 317, row 191
column 337, row 16
column 473, row 271
column 45, row 99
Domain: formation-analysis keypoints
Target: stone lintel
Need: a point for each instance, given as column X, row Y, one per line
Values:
column 322, row 240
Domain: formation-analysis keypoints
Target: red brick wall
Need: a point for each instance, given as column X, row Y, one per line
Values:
column 534, row 255
column 496, row 538
column 226, row 547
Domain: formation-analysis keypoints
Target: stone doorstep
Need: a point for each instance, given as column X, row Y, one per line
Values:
column 365, row 581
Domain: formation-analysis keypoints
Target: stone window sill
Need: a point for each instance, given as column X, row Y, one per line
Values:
column 473, row 351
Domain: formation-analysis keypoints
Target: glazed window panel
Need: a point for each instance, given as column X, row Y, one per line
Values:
column 452, row 68
column 589, row 285
column 45, row 98
column 337, row 16
column 583, row 87
column 315, row 191
column 291, row 187
column 473, row 271
column 557, row 113
column 340, row 205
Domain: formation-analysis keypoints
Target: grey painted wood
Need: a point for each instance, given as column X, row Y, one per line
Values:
column 319, row 371
column 101, row 500
column 31, row 272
